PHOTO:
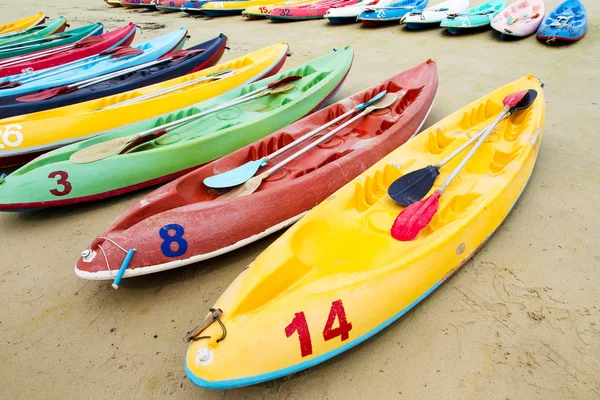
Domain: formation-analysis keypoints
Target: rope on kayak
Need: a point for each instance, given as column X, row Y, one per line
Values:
column 214, row 316
column 128, row 255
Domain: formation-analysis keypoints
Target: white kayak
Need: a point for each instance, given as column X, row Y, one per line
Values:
column 434, row 15
column 348, row 14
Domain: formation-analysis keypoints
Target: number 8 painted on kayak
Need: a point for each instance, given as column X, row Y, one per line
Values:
column 6, row 136
column 168, row 240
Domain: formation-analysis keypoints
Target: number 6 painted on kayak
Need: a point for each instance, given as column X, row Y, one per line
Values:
column 300, row 325
column 5, row 136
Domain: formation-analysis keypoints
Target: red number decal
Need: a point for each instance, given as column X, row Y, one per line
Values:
column 62, row 181
column 300, row 325
column 337, row 309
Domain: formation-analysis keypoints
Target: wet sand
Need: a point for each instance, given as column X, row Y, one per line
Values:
column 520, row 320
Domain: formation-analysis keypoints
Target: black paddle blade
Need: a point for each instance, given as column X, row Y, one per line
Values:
column 526, row 101
column 413, row 186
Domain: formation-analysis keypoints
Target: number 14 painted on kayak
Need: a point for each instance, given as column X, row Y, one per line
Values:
column 300, row 325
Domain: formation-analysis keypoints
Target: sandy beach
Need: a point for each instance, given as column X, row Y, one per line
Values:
column 521, row 320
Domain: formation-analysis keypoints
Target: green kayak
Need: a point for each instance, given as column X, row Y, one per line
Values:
column 53, row 41
column 473, row 19
column 53, row 179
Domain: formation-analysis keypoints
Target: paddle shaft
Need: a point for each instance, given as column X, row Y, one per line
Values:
column 92, row 81
column 176, row 124
column 461, row 148
column 314, row 144
column 308, row 135
column 59, row 69
column 169, row 90
column 486, row 133
column 32, row 56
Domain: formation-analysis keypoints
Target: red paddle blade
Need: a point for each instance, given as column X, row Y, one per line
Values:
column 287, row 79
column 126, row 52
column 512, row 99
column 44, row 94
column 180, row 53
column 9, row 84
column 122, row 51
column 88, row 41
column 414, row 218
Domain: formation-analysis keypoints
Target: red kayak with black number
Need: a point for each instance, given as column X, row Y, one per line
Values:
column 87, row 47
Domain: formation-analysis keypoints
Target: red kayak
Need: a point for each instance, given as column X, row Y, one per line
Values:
column 184, row 221
column 89, row 46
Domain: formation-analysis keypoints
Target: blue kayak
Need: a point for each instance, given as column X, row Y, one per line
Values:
column 194, row 59
column 567, row 22
column 391, row 13
column 91, row 67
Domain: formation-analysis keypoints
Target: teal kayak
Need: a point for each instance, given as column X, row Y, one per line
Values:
column 55, row 40
column 35, row 32
column 53, row 179
column 475, row 18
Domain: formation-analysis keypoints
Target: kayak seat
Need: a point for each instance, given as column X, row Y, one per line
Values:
column 439, row 139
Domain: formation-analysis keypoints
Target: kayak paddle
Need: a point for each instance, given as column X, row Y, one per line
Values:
column 252, row 184
column 117, row 52
column 88, row 41
column 64, row 89
column 418, row 215
column 241, row 174
column 112, row 147
column 415, row 185
column 224, row 73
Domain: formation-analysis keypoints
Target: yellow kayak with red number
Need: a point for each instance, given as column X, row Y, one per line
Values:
column 338, row 277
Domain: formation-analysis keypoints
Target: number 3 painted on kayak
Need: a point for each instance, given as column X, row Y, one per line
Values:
column 300, row 325
column 168, row 240
column 61, row 181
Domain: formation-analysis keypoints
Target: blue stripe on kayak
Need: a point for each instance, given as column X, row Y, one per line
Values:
column 233, row 383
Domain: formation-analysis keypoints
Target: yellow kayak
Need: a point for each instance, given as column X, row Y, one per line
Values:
column 233, row 7
column 337, row 277
column 261, row 11
column 46, row 130
column 22, row 24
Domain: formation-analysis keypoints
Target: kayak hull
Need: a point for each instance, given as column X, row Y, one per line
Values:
column 296, row 189
column 303, row 298
column 520, row 19
column 391, row 13
column 22, row 24
column 432, row 17
column 213, row 51
column 474, row 19
column 95, row 66
column 118, row 37
column 193, row 144
column 568, row 22
column 85, row 120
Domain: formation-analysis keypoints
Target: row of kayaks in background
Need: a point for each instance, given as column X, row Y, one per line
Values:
column 567, row 22
column 254, row 150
